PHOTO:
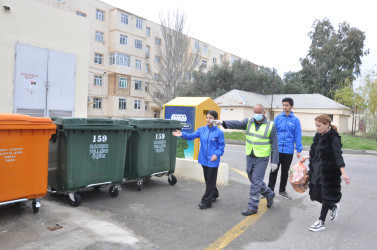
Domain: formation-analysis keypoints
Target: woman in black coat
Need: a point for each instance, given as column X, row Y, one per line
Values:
column 326, row 166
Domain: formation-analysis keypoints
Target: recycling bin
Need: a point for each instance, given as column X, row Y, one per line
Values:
column 24, row 144
column 87, row 153
column 151, row 150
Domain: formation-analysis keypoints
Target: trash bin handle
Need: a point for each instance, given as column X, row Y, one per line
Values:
column 95, row 122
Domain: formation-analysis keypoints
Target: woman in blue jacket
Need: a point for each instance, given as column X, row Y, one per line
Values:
column 212, row 146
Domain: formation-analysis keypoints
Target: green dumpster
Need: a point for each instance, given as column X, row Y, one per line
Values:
column 151, row 150
column 87, row 153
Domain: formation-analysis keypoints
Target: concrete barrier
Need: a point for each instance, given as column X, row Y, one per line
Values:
column 191, row 169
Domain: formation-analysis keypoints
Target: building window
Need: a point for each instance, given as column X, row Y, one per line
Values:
column 197, row 46
column 99, row 36
column 157, row 41
column 139, row 23
column 137, row 104
column 97, row 80
column 148, row 32
column 221, row 58
column 137, row 85
column 100, row 15
column 205, row 48
column 157, row 59
column 204, row 63
column 138, row 44
column 146, row 87
column 157, row 77
column 124, row 18
column 122, row 103
column 214, row 60
column 147, row 70
column 120, row 59
column 123, row 39
column 232, row 59
column 97, row 103
column 158, row 95
column 197, row 61
column 138, row 64
column 122, row 82
column 98, row 58
column 80, row 14
column 146, row 106
column 331, row 117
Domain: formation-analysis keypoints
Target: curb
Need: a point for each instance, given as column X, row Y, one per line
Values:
column 306, row 148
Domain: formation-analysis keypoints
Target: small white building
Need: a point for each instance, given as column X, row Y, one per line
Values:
column 238, row 105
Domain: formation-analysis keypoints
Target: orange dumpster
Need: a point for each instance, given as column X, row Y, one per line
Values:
column 24, row 144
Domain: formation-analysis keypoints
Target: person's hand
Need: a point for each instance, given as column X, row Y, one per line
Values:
column 303, row 159
column 346, row 179
column 298, row 155
column 217, row 122
column 273, row 167
column 214, row 158
column 177, row 133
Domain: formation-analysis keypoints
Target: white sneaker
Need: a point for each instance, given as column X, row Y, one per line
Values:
column 317, row 226
column 334, row 212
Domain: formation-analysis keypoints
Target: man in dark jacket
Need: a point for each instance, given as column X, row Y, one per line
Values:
column 289, row 133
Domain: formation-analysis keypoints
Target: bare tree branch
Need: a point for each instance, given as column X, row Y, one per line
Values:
column 176, row 61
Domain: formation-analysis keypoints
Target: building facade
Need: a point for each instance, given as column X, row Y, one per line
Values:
column 44, row 60
column 123, row 55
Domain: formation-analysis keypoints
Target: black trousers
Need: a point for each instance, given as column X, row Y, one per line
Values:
column 210, row 176
column 326, row 205
column 285, row 161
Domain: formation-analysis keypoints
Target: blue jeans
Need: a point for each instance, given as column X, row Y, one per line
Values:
column 256, row 168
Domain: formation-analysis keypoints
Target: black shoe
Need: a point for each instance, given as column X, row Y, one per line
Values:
column 213, row 199
column 270, row 201
column 248, row 212
column 204, row 206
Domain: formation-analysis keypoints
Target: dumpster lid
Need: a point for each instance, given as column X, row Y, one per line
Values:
column 69, row 121
column 6, row 118
column 154, row 123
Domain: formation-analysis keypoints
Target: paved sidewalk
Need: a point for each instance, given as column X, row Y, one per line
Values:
column 306, row 148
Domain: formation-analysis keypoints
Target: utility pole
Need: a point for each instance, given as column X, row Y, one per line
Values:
column 272, row 94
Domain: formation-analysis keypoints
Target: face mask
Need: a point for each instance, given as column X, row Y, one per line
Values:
column 258, row 117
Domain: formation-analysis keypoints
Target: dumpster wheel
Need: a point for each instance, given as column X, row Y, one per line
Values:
column 172, row 179
column 35, row 205
column 77, row 199
column 114, row 191
column 139, row 185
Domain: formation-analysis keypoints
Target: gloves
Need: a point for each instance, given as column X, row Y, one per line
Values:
column 217, row 122
column 273, row 167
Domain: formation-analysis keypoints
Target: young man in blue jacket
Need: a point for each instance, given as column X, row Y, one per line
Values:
column 289, row 133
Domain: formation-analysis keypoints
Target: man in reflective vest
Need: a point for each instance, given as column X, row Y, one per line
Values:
column 261, row 142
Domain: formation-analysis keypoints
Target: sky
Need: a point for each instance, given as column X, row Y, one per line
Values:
column 270, row 33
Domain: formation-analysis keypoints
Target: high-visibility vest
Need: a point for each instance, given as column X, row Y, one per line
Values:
column 258, row 141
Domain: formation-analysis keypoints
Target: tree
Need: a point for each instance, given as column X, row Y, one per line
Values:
column 241, row 75
column 369, row 94
column 293, row 83
column 176, row 62
column 350, row 98
column 333, row 57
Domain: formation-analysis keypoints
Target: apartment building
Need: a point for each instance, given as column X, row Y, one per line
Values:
column 123, row 55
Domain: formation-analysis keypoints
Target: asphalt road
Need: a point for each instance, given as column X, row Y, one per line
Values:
column 162, row 216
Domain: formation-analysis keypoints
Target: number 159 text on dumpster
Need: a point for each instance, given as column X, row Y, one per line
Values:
column 159, row 143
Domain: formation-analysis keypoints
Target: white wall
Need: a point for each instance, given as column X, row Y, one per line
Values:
column 29, row 22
